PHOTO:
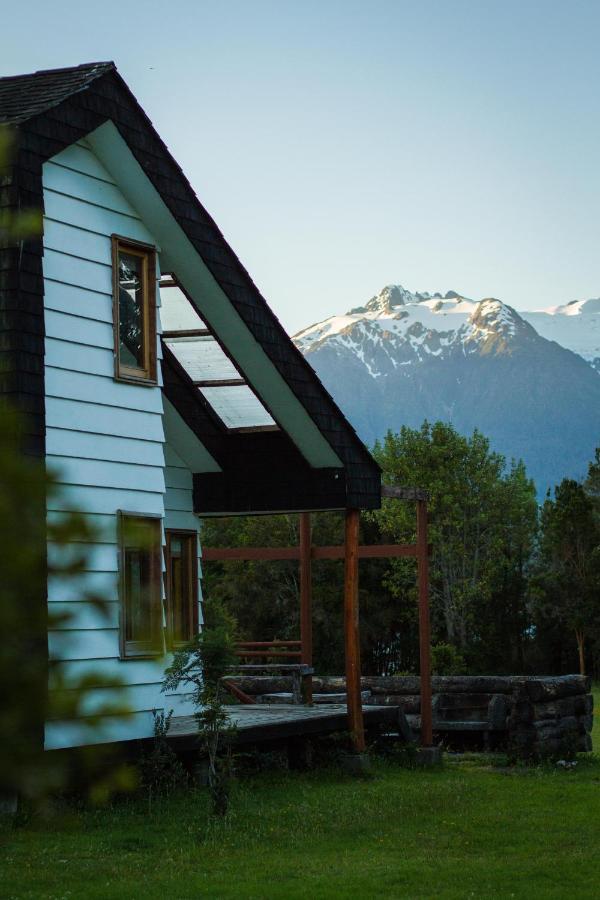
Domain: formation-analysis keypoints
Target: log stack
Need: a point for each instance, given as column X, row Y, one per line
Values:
column 550, row 716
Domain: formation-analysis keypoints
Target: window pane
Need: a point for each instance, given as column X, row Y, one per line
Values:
column 181, row 586
column 138, row 594
column 202, row 358
column 177, row 313
column 131, row 311
column 141, row 581
column 237, row 407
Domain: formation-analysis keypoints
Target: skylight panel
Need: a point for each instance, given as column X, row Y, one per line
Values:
column 203, row 359
column 177, row 313
column 238, row 407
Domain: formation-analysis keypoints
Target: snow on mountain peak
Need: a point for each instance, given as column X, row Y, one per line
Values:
column 404, row 326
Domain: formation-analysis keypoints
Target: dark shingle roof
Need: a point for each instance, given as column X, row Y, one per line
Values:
column 23, row 96
column 53, row 109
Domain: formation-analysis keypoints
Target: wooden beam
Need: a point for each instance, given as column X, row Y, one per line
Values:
column 306, row 602
column 424, row 629
column 220, row 382
column 186, row 333
column 250, row 553
column 393, row 492
column 372, row 551
column 351, row 632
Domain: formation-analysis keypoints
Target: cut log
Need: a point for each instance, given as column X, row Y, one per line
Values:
column 541, row 690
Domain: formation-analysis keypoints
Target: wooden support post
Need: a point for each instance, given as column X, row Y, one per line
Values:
column 424, row 629
column 351, row 632
column 306, row 604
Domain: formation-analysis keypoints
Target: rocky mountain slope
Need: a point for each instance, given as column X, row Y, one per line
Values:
column 404, row 357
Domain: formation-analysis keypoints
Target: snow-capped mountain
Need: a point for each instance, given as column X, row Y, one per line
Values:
column 527, row 380
column 431, row 323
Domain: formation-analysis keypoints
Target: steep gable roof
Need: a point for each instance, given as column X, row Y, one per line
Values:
column 24, row 96
column 52, row 110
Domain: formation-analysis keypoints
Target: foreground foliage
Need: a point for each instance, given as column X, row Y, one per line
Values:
column 469, row 829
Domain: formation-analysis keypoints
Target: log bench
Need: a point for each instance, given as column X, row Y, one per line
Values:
column 298, row 672
column 470, row 713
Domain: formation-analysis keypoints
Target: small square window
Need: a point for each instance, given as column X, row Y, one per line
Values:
column 134, row 302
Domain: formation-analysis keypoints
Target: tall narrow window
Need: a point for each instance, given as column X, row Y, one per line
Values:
column 182, row 586
column 140, row 585
column 134, row 301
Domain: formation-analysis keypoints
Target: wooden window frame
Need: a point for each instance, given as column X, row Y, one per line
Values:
column 148, row 373
column 131, row 649
column 193, row 617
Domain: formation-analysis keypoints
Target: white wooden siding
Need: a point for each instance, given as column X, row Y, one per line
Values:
column 104, row 439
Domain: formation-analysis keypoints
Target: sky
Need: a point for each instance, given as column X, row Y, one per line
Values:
column 342, row 146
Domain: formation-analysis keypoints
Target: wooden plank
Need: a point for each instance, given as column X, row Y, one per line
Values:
column 187, row 332
column 61, row 354
column 90, row 217
column 351, row 632
column 250, row 553
column 252, row 644
column 78, row 271
column 64, row 237
column 98, row 557
column 306, row 602
column 373, row 551
column 82, row 186
column 67, row 327
column 424, row 627
column 83, row 615
column 98, row 643
column 222, row 382
column 71, row 589
column 96, row 418
column 86, row 445
column 100, row 389
column 105, row 500
column 263, row 723
column 101, row 473
column 80, row 159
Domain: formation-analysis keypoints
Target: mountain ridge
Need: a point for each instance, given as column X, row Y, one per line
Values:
column 403, row 357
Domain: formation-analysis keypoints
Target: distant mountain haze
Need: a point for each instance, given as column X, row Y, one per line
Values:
column 530, row 381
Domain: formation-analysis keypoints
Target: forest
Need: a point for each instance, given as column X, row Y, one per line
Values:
column 515, row 584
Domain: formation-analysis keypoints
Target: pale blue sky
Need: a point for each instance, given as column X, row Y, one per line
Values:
column 342, row 146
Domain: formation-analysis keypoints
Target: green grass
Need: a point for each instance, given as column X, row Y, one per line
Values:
column 468, row 830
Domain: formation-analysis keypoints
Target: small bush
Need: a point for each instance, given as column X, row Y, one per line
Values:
column 447, row 660
column 161, row 771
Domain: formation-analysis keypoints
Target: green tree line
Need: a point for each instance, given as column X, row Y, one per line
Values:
column 515, row 586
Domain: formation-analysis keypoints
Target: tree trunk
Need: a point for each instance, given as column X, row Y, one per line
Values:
column 580, row 647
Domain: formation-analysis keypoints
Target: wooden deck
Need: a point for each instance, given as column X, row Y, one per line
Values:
column 264, row 723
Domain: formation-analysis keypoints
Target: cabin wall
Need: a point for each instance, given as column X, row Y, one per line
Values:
column 105, row 441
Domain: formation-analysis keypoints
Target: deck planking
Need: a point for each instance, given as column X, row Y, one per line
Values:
column 255, row 724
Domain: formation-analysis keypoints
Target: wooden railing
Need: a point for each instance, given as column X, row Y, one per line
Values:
column 269, row 649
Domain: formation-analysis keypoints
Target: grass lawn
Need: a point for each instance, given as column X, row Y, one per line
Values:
column 468, row 830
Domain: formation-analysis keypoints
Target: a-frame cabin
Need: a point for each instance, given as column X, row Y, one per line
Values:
column 154, row 378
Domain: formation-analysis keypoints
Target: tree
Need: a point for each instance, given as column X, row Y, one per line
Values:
column 567, row 583
column 592, row 482
column 482, row 527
